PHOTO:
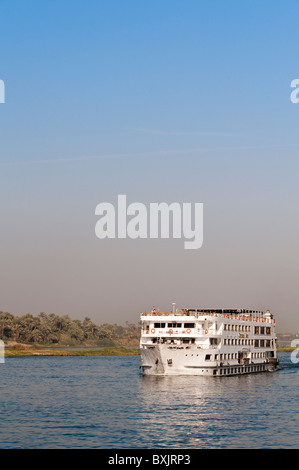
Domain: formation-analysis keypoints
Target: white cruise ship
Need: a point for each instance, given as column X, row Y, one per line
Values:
column 216, row 342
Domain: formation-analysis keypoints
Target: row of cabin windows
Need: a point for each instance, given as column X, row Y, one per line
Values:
column 174, row 325
column 227, row 327
column 262, row 330
column 262, row 343
column 238, row 370
column 229, row 356
column 173, row 341
column 257, row 343
column 258, row 330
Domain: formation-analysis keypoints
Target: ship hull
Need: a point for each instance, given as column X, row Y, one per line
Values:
column 161, row 360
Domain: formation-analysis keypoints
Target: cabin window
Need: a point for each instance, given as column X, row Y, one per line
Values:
column 256, row 343
column 174, row 325
column 262, row 330
column 268, row 331
column 256, row 330
column 189, row 325
column 208, row 357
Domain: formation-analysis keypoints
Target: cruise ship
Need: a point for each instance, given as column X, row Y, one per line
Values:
column 209, row 342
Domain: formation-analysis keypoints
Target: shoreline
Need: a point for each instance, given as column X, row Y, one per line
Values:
column 45, row 352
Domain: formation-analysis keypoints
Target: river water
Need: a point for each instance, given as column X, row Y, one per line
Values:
column 104, row 402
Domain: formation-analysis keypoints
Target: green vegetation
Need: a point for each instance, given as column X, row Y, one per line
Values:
column 285, row 349
column 54, row 330
column 21, row 351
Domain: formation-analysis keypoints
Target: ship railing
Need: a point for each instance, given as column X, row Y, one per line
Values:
column 158, row 313
column 197, row 314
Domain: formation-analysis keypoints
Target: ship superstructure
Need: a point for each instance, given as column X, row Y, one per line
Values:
column 216, row 342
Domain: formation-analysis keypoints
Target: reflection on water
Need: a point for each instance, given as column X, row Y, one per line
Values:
column 105, row 402
column 257, row 410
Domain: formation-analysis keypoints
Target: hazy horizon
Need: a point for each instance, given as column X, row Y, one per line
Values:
column 163, row 102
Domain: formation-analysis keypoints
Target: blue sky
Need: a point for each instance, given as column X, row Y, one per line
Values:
column 175, row 101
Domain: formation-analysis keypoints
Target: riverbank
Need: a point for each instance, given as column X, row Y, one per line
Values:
column 23, row 352
column 285, row 349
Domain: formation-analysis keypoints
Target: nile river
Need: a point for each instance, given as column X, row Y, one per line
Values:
column 104, row 402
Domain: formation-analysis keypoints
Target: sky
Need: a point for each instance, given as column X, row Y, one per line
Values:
column 173, row 101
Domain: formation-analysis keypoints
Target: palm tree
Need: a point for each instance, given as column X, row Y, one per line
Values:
column 6, row 324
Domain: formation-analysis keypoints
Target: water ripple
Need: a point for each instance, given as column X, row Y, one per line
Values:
column 104, row 402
